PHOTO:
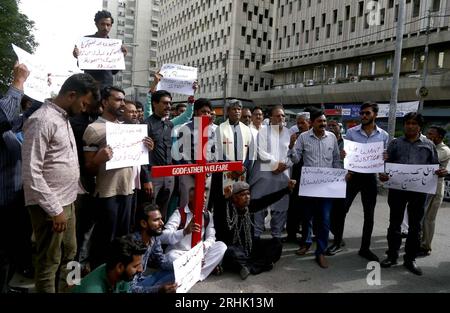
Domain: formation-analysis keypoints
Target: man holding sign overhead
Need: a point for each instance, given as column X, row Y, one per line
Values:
column 412, row 148
column 103, row 22
column 319, row 148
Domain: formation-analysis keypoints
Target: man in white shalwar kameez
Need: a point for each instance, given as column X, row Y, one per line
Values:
column 179, row 238
column 271, row 172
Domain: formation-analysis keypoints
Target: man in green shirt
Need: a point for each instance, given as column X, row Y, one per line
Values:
column 123, row 262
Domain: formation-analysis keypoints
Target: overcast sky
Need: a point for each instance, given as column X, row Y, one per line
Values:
column 58, row 25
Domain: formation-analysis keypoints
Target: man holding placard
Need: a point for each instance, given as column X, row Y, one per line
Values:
column 412, row 148
column 103, row 22
column 319, row 148
column 361, row 179
column 114, row 187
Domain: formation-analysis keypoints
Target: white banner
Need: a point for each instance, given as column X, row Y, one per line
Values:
column 177, row 78
column 127, row 146
column 364, row 157
column 322, row 182
column 36, row 86
column 101, row 54
column 418, row 178
column 402, row 108
column 187, row 268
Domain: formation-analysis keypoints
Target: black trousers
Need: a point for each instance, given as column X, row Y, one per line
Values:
column 414, row 202
column 112, row 220
column 367, row 185
column 15, row 239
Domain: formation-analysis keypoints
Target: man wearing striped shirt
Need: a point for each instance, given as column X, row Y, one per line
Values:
column 319, row 148
column 51, row 178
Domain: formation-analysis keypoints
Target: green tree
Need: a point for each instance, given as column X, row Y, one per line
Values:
column 15, row 28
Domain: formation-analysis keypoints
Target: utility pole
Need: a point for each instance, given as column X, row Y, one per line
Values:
column 422, row 91
column 225, row 81
column 397, row 65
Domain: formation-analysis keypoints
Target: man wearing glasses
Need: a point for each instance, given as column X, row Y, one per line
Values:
column 366, row 132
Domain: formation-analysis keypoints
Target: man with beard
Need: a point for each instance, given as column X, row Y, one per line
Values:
column 114, row 188
column 178, row 235
column 366, row 132
column 123, row 262
column 130, row 114
column 51, row 175
column 151, row 227
column 243, row 255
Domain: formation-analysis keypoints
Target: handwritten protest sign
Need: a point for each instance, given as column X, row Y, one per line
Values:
column 36, row 86
column 187, row 268
column 418, row 178
column 101, row 54
column 177, row 78
column 364, row 157
column 127, row 146
column 322, row 182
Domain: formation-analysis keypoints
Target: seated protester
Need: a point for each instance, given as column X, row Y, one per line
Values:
column 178, row 235
column 150, row 223
column 124, row 260
column 244, row 255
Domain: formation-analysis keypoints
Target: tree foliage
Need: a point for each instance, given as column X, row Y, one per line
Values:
column 15, row 28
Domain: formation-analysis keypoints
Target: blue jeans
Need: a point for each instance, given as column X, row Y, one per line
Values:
column 157, row 279
column 319, row 210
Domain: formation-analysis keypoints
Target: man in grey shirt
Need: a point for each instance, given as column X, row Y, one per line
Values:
column 319, row 148
column 51, row 178
column 412, row 148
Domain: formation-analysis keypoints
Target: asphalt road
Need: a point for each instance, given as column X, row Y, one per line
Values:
column 347, row 272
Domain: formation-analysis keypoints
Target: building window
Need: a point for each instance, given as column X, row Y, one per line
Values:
column 245, row 87
column 436, row 5
column 335, row 14
column 366, row 24
column 353, row 24
column 249, row 39
column 313, row 22
column 340, row 28
column 416, row 8
column 243, row 30
column 347, row 12
column 247, row 63
column 382, row 16
column 249, row 16
column 391, row 4
column 317, row 33
column 241, row 54
column 441, row 56
column 240, row 79
column 244, row 6
column 324, row 18
column 307, row 36
column 258, row 64
column 328, row 30
column 360, row 8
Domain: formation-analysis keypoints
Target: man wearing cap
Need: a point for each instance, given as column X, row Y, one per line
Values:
column 234, row 143
column 242, row 255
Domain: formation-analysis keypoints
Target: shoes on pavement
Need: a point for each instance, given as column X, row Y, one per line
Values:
column 412, row 267
column 388, row 262
column 404, row 234
column 424, row 252
column 320, row 259
column 332, row 250
column 302, row 250
column 218, row 270
column 244, row 273
column 369, row 255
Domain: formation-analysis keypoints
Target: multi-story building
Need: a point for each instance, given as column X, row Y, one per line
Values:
column 342, row 52
column 136, row 23
column 228, row 41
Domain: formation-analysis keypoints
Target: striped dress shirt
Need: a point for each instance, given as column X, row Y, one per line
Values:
column 50, row 167
column 10, row 163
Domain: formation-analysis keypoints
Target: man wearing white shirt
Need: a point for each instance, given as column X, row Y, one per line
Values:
column 271, row 172
column 178, row 235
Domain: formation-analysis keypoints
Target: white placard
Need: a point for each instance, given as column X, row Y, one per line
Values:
column 100, row 54
column 322, row 182
column 36, row 86
column 127, row 146
column 412, row 177
column 177, row 78
column 364, row 157
column 187, row 268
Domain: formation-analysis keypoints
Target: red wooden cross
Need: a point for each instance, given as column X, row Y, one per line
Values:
column 200, row 169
